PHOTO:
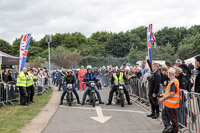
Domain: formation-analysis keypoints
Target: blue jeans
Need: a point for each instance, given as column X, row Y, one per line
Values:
column 86, row 91
column 74, row 91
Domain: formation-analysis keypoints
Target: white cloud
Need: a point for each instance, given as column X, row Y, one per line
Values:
column 88, row 16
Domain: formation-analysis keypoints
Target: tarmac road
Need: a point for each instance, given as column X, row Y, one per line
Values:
column 112, row 119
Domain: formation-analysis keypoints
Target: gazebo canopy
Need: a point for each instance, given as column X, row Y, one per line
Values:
column 6, row 59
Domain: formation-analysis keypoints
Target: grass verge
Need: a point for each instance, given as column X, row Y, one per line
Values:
column 13, row 118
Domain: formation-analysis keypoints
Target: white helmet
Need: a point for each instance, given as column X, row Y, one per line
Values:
column 89, row 67
column 127, row 68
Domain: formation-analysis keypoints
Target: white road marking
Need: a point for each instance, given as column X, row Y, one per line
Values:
column 114, row 110
column 101, row 118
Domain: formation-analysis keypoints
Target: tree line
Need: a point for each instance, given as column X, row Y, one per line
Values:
column 108, row 48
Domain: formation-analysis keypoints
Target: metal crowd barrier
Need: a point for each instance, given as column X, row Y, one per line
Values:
column 8, row 93
column 105, row 80
column 41, row 86
column 188, row 113
column 139, row 89
column 193, row 115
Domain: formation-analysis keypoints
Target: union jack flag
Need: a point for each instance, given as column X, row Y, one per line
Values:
column 149, row 35
column 154, row 41
column 24, row 45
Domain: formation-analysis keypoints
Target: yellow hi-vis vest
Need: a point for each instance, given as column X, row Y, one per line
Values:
column 63, row 75
column 118, row 80
column 30, row 82
column 172, row 102
column 21, row 80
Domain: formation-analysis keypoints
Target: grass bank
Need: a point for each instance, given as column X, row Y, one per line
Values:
column 13, row 118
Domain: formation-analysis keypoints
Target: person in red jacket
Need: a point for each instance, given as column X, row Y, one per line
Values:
column 81, row 74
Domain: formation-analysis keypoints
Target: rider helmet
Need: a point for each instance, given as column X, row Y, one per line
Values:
column 89, row 67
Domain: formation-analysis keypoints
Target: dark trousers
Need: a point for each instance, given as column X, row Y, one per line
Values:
column 28, row 94
column 170, row 115
column 57, row 81
column 32, row 92
column 53, row 80
column 59, row 87
column 60, row 84
column 23, row 95
column 154, row 104
column 87, row 90
column 113, row 89
column 74, row 91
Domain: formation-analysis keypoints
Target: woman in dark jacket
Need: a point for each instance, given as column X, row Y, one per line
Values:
column 183, row 81
column 10, row 75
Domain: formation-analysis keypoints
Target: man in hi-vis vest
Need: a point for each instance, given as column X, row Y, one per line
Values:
column 22, row 80
column 171, row 99
column 116, row 79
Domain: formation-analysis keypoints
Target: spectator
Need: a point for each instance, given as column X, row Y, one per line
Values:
column 183, row 82
column 5, row 75
column 146, row 75
column 154, row 87
column 197, row 81
column 191, row 66
column 145, row 83
column 103, row 72
column 171, row 100
column 168, row 64
column 31, row 87
column 41, row 77
column 131, row 73
column 185, row 69
column 10, row 75
column 14, row 72
column 138, row 73
column 164, row 75
column 143, row 68
column 126, row 70
column 22, row 84
column 124, row 65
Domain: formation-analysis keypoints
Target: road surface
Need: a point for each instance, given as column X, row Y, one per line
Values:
column 102, row 119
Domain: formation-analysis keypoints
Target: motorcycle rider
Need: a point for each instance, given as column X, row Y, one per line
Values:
column 118, row 78
column 90, row 76
column 69, row 79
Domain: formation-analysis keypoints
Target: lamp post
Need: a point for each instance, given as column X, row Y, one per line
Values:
column 49, row 40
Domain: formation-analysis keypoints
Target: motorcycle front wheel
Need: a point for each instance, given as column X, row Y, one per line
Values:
column 93, row 99
column 70, row 99
column 122, row 100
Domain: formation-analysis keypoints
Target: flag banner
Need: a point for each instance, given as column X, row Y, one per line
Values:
column 149, row 37
column 154, row 40
column 24, row 45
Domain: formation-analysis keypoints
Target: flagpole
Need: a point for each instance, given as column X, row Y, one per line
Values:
column 49, row 40
column 49, row 56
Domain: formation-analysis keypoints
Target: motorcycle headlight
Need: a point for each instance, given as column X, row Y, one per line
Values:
column 120, row 87
column 69, row 86
column 92, row 84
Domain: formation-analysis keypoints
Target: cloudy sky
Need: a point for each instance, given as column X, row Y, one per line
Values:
column 41, row 17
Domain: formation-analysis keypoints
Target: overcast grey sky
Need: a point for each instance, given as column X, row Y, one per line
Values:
column 41, row 17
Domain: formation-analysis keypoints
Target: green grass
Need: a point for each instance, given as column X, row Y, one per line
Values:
column 13, row 118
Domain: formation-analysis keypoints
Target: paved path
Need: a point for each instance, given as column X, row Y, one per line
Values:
column 77, row 119
column 38, row 123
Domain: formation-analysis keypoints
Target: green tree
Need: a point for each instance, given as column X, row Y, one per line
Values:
column 118, row 45
column 196, row 43
column 6, row 47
